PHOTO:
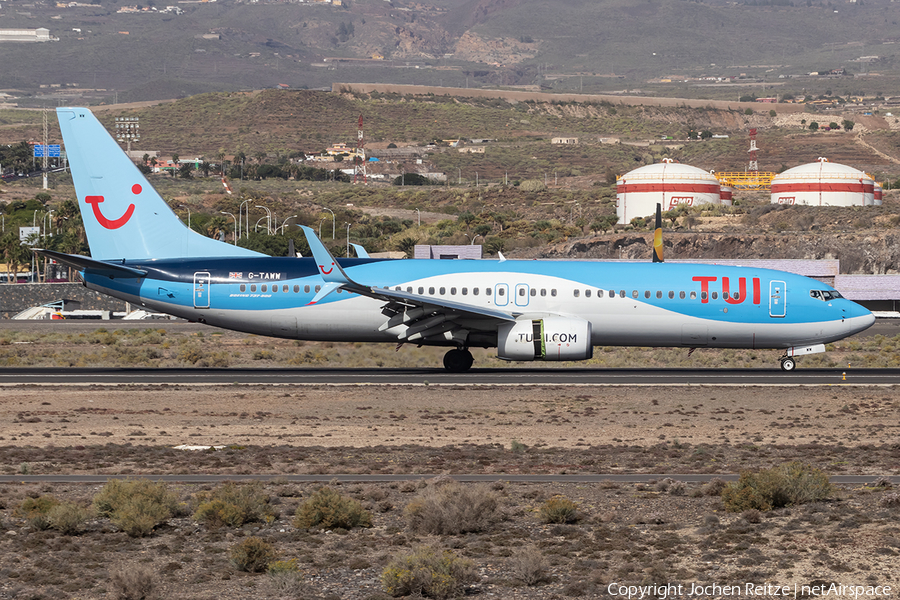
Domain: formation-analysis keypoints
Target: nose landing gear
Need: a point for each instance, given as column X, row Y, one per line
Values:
column 458, row 360
column 788, row 364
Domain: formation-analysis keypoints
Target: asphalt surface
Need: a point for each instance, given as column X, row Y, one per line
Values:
column 512, row 376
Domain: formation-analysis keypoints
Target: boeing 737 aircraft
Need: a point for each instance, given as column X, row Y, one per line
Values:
column 528, row 310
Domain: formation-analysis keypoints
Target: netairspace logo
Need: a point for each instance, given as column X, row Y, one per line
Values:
column 748, row 590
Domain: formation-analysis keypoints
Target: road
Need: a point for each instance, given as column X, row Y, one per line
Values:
column 511, row 376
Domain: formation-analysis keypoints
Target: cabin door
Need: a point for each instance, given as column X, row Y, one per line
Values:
column 777, row 303
column 201, row 289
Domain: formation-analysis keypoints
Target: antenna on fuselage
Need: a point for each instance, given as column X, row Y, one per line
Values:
column 657, row 236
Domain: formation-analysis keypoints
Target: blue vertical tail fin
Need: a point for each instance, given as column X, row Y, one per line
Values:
column 124, row 217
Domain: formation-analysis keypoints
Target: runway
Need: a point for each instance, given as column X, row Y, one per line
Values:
column 510, row 377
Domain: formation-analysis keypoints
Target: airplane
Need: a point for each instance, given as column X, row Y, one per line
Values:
column 531, row 310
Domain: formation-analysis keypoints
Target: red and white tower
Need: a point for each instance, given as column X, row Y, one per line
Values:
column 360, row 158
column 754, row 165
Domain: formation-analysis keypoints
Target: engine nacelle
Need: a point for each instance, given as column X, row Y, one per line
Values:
column 547, row 338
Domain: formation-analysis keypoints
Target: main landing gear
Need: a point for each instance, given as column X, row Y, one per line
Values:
column 458, row 360
column 788, row 364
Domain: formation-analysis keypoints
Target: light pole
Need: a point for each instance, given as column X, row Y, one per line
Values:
column 348, row 239
column 189, row 213
column 235, row 224
column 472, row 243
column 283, row 223
column 418, row 218
column 476, row 178
column 333, row 227
column 320, row 227
column 241, row 210
column 256, row 227
column 269, row 219
column 458, row 176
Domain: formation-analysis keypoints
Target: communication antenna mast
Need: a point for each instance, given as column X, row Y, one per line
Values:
column 360, row 157
column 754, row 165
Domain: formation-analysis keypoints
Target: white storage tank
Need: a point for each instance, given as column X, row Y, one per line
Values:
column 667, row 183
column 879, row 194
column 823, row 183
column 726, row 195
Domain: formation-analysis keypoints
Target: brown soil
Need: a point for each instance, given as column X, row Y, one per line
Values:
column 651, row 533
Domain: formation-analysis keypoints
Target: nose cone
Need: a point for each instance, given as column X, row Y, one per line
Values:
column 858, row 317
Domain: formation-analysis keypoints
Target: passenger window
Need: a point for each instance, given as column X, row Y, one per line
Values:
column 725, row 295
column 587, row 293
column 671, row 294
column 318, row 288
column 443, row 291
column 577, row 293
column 305, row 289
column 693, row 295
column 599, row 293
column 452, row 291
column 284, row 288
column 521, row 291
column 264, row 288
column 296, row 289
column 409, row 289
column 659, row 293
column 553, row 293
column 421, row 290
column 274, row 289
column 543, row 291
column 487, row 291
column 681, row 295
column 465, row 291
column 243, row 287
column 647, row 294
column 715, row 295
column 703, row 295
column 253, row 288
column 501, row 291
column 621, row 293
column 475, row 291
column 533, row 292
column 634, row 294
column 431, row 291
column 612, row 293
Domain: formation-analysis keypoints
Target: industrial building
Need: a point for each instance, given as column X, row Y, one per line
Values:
column 823, row 183
column 668, row 183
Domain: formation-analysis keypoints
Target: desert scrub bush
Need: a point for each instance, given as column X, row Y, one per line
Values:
column 36, row 511
column 136, row 506
column 68, row 517
column 252, row 555
column 453, row 508
column 784, row 485
column 891, row 500
column 429, row 572
column 529, row 566
column 284, row 579
column 328, row 509
column 232, row 505
column 559, row 509
column 132, row 582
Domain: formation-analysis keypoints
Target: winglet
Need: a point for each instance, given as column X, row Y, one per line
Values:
column 327, row 264
column 657, row 236
column 360, row 251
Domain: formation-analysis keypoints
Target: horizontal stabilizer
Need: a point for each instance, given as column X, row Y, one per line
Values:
column 94, row 267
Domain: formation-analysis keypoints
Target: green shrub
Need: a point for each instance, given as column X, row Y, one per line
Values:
column 132, row 582
column 136, row 506
column 252, row 555
column 784, row 485
column 559, row 509
column 36, row 511
column 329, row 510
column 232, row 505
column 532, row 185
column 453, row 508
column 429, row 572
column 68, row 518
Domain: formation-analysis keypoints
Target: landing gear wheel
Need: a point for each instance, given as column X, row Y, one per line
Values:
column 458, row 361
column 788, row 364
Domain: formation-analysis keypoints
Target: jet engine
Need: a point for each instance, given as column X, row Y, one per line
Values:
column 547, row 338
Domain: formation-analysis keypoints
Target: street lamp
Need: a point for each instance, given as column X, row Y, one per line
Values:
column 418, row 218
column 283, row 223
column 269, row 219
column 241, row 210
column 189, row 213
column 332, row 221
column 348, row 239
column 235, row 224
column 320, row 227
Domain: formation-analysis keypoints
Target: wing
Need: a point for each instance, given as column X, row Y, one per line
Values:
column 412, row 316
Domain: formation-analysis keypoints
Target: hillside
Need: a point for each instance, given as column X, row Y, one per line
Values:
column 662, row 46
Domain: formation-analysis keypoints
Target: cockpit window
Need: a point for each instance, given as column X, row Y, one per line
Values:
column 824, row 295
